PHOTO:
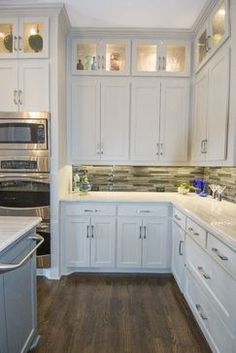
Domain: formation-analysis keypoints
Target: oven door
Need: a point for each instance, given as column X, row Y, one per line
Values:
column 23, row 134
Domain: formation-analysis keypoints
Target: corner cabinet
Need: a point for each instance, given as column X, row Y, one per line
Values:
column 211, row 109
column 24, row 85
column 213, row 34
column 160, row 58
column 99, row 124
column 159, row 129
column 24, row 37
column 99, row 57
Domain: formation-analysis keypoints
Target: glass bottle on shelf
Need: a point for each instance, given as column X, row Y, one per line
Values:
column 94, row 64
column 80, row 66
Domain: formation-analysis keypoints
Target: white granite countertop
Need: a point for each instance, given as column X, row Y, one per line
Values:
column 217, row 217
column 12, row 228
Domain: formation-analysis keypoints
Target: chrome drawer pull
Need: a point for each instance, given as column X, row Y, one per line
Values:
column 177, row 217
column 203, row 273
column 10, row 267
column 221, row 256
column 199, row 309
column 145, row 233
column 92, row 235
column 190, row 229
column 140, row 232
column 88, row 231
column 181, row 242
column 144, row 211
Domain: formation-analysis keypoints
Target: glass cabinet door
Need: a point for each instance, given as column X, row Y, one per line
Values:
column 146, row 55
column 202, row 46
column 116, row 59
column 33, row 37
column 176, row 59
column 8, row 45
column 85, row 57
column 219, row 24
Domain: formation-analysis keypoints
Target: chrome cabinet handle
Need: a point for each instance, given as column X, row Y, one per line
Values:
column 144, row 211
column 92, row 234
column 161, row 149
column 102, row 148
column 14, row 97
column 140, row 232
column 208, row 43
column 19, row 43
column 158, row 149
column 87, row 231
column 159, row 63
column 163, row 63
column 20, row 96
column 181, row 242
column 199, row 309
column 204, row 146
column 87, row 210
column 190, row 229
column 15, row 41
column 103, row 62
column 221, row 256
column 98, row 148
column 99, row 60
column 203, row 273
column 6, row 267
column 177, row 217
column 145, row 232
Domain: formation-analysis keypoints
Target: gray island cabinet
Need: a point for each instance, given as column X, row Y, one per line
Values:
column 18, row 300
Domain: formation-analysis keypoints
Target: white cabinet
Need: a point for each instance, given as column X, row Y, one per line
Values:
column 213, row 33
column 100, row 120
column 210, row 118
column 142, row 242
column 24, row 85
column 24, row 37
column 178, row 248
column 161, row 58
column 90, row 241
column 100, row 57
column 159, row 120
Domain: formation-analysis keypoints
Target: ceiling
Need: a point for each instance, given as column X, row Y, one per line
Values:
column 128, row 13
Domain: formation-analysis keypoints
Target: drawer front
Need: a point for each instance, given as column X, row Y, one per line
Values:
column 90, row 209
column 222, row 253
column 179, row 218
column 196, row 232
column 209, row 319
column 143, row 210
column 219, row 284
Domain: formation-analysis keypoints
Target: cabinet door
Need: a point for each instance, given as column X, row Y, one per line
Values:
column 176, row 59
column 218, row 104
column 20, row 304
column 115, row 58
column 8, row 37
column 33, row 37
column 199, row 127
column 103, row 232
column 202, row 45
column 219, row 24
column 86, row 58
column 178, row 255
column 85, row 120
column 174, row 120
column 155, row 243
column 145, row 119
column 33, row 85
column 77, row 241
column 129, row 242
column 8, row 85
column 115, row 119
column 146, row 56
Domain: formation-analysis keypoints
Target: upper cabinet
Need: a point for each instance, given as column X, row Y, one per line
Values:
column 24, row 37
column 160, row 58
column 212, row 34
column 98, row 57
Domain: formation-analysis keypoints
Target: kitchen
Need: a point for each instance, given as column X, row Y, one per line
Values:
column 107, row 86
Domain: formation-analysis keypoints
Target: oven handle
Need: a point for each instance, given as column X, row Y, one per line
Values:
column 16, row 177
column 22, row 208
column 6, row 267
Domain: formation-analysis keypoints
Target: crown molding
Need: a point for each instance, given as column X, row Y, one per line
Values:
column 7, row 9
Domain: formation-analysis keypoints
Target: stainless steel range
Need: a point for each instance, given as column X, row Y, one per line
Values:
column 24, row 172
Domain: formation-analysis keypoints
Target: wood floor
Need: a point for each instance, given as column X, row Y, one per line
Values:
column 102, row 314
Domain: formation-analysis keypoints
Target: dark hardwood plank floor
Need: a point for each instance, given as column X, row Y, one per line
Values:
column 105, row 314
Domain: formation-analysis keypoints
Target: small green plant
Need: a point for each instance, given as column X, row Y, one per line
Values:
column 184, row 185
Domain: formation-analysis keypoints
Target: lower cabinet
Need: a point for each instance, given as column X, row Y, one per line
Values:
column 178, row 249
column 90, row 241
column 142, row 242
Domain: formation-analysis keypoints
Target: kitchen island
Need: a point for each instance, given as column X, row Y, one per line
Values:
column 18, row 304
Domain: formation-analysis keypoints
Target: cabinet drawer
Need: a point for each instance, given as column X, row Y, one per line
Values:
column 209, row 319
column 90, row 209
column 220, row 285
column 196, row 232
column 142, row 210
column 222, row 253
column 179, row 218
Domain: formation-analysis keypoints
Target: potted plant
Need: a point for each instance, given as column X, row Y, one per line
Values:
column 184, row 187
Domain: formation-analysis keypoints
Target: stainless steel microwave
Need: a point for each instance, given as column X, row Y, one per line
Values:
column 24, row 131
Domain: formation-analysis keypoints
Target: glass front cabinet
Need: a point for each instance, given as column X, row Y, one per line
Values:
column 94, row 57
column 213, row 34
column 167, row 58
column 25, row 37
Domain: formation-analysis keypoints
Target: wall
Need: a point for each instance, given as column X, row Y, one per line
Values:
column 223, row 176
